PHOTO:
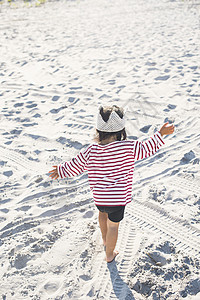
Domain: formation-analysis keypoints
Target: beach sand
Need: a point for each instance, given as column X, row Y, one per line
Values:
column 59, row 62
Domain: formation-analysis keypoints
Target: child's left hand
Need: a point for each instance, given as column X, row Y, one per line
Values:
column 167, row 129
column 54, row 172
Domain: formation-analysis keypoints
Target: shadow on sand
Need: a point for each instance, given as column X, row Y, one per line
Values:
column 120, row 288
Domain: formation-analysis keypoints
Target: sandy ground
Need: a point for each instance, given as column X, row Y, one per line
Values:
column 58, row 63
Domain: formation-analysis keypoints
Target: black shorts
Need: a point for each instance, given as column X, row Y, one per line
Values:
column 115, row 213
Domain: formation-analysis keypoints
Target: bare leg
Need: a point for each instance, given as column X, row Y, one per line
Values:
column 111, row 240
column 103, row 217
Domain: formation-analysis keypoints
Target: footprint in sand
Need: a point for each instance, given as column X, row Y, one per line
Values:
column 193, row 68
column 71, row 92
column 15, row 131
column 196, row 161
column 192, row 288
column 37, row 116
column 169, row 107
column 20, row 261
column 88, row 214
column 73, row 100
column 62, row 140
column 8, row 143
column 76, row 88
column 60, row 118
column 104, row 96
column 149, row 63
column 85, row 277
column 18, row 104
column 2, row 219
column 31, row 105
column 8, row 173
column 52, row 285
column 152, row 69
column 111, row 82
column 56, row 110
column 145, row 129
column 55, row 98
column 30, row 125
column 37, row 151
column 187, row 157
column 165, row 77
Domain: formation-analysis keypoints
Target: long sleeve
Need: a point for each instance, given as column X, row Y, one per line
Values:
column 76, row 166
column 149, row 147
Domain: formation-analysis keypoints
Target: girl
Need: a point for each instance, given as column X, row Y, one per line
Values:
column 110, row 165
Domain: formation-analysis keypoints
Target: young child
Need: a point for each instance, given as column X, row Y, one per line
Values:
column 109, row 162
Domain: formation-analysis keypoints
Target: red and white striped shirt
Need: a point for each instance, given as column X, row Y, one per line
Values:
column 110, row 168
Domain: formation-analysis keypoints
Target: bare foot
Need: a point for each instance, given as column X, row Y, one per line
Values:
column 112, row 257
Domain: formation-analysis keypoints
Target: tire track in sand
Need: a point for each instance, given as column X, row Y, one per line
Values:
column 20, row 160
column 112, row 282
column 33, row 166
column 188, row 182
column 184, row 236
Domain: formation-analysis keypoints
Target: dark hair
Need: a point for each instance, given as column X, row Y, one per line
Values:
column 105, row 113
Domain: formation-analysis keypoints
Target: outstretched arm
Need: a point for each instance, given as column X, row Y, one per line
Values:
column 74, row 167
column 153, row 144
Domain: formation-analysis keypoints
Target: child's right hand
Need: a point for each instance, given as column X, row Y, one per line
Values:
column 54, row 173
column 167, row 129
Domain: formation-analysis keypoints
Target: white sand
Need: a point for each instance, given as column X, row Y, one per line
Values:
column 58, row 63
